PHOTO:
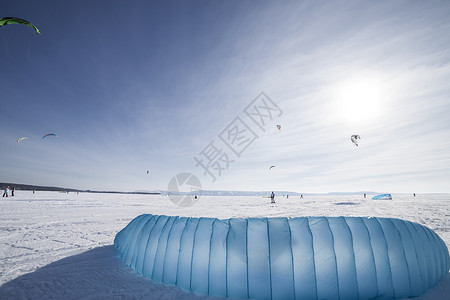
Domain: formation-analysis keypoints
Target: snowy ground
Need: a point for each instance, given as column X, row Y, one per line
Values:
column 60, row 246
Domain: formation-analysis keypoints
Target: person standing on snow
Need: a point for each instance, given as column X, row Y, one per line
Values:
column 272, row 198
column 5, row 193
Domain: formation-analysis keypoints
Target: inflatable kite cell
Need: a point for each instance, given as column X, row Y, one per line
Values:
column 286, row 258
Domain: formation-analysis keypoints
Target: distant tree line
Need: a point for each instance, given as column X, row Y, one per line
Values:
column 29, row 187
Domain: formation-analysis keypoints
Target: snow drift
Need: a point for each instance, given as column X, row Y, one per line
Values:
column 286, row 258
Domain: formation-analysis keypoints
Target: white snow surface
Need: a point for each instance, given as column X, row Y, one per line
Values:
column 60, row 246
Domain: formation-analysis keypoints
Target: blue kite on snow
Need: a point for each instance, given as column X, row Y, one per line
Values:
column 286, row 258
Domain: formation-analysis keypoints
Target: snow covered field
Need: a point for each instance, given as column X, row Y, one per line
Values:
column 56, row 245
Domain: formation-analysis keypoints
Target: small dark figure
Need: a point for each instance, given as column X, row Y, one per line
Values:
column 272, row 198
column 364, row 195
column 12, row 191
column 33, row 191
column 287, row 196
column 301, row 196
column 414, row 194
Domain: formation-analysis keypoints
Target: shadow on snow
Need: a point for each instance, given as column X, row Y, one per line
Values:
column 100, row 274
column 95, row 274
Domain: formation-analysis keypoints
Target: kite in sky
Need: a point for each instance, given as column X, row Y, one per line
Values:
column 49, row 134
column 271, row 167
column 12, row 20
column 22, row 138
column 355, row 139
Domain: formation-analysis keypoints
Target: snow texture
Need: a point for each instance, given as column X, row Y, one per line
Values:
column 60, row 246
column 286, row 258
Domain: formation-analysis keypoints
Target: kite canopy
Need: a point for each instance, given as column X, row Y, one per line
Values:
column 13, row 20
column 271, row 167
column 355, row 139
column 382, row 197
column 49, row 134
column 22, row 138
column 286, row 258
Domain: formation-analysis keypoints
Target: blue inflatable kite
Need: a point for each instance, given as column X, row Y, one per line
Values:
column 382, row 197
column 286, row 258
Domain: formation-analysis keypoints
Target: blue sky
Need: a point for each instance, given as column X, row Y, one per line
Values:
column 144, row 85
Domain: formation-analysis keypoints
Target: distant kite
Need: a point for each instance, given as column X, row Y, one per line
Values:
column 355, row 139
column 22, row 138
column 271, row 167
column 49, row 134
column 147, row 172
column 12, row 20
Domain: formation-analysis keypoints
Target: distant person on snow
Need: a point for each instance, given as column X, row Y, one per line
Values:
column 5, row 193
column 12, row 191
column 272, row 198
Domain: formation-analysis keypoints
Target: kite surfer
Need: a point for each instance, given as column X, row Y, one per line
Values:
column 272, row 198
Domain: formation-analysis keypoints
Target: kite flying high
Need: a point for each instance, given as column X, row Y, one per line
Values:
column 13, row 20
column 355, row 139
column 49, row 134
column 22, row 138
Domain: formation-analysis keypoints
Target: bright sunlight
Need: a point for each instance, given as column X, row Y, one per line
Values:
column 359, row 100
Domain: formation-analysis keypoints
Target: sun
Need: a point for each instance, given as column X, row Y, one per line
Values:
column 359, row 100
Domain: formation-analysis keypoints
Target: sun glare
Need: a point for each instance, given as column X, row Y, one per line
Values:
column 359, row 100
